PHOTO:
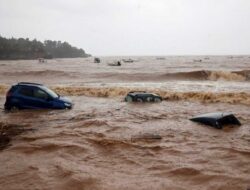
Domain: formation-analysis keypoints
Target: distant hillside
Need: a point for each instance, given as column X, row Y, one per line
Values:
column 32, row 49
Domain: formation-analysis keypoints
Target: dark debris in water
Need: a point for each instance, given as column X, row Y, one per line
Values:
column 146, row 136
column 7, row 131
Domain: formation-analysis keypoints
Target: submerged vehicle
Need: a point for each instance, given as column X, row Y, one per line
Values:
column 197, row 60
column 97, row 60
column 41, row 60
column 128, row 60
column 142, row 96
column 116, row 63
column 26, row 95
column 217, row 119
column 160, row 58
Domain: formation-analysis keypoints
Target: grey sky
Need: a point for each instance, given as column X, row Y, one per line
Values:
column 133, row 27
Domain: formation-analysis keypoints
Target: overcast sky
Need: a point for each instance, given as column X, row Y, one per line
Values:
column 133, row 27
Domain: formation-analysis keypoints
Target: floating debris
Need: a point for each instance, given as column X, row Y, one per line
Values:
column 146, row 136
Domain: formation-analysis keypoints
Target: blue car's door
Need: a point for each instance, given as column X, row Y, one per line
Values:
column 24, row 97
column 42, row 99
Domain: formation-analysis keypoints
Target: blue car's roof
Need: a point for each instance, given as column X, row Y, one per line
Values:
column 41, row 86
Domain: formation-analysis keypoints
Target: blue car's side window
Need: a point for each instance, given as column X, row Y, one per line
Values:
column 40, row 94
column 26, row 91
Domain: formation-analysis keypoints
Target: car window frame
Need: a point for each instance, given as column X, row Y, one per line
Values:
column 27, row 87
column 48, row 96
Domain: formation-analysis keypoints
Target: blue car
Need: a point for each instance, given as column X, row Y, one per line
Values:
column 34, row 96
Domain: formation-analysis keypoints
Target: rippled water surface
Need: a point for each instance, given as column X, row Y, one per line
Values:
column 106, row 143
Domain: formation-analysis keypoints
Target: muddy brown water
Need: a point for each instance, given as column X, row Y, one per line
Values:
column 106, row 143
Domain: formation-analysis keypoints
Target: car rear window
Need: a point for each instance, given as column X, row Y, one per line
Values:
column 12, row 89
column 26, row 91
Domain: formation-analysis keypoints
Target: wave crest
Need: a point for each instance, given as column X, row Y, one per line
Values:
column 227, row 76
column 243, row 75
column 207, row 97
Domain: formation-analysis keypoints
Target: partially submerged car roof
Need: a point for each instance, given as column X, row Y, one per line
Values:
column 217, row 119
column 137, row 92
column 29, row 83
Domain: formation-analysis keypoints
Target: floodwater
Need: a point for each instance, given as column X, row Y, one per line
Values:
column 106, row 143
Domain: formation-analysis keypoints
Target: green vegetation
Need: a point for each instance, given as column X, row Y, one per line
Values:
column 32, row 49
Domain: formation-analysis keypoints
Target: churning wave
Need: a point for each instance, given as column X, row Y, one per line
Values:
column 112, row 92
column 200, row 75
column 208, row 97
column 243, row 75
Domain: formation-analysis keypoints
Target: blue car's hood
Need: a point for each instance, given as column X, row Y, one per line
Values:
column 64, row 99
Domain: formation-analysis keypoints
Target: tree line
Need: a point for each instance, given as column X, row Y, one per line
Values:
column 21, row 48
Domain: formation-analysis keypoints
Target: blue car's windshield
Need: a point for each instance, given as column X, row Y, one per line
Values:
column 50, row 92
